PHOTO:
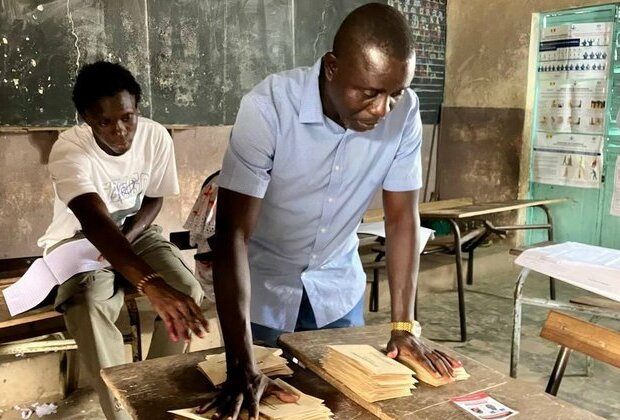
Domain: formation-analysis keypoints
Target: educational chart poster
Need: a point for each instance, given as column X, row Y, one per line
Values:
column 568, row 159
column 575, row 51
column 572, row 107
column 572, row 93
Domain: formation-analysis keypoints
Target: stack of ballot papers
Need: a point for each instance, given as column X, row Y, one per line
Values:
column 305, row 408
column 428, row 377
column 368, row 372
column 269, row 361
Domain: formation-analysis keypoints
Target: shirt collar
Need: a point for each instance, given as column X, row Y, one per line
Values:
column 310, row 107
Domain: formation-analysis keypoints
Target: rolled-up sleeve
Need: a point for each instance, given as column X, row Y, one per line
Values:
column 405, row 173
column 248, row 161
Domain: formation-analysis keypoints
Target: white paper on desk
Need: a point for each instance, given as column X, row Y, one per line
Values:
column 378, row 229
column 52, row 270
column 589, row 267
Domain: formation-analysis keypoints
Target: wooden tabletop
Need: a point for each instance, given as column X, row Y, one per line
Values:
column 150, row 388
column 428, row 402
column 472, row 210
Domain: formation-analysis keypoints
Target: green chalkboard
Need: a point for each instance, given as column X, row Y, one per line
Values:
column 195, row 59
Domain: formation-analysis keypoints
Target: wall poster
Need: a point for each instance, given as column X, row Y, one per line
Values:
column 573, row 63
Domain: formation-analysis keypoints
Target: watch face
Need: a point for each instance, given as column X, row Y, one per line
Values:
column 417, row 329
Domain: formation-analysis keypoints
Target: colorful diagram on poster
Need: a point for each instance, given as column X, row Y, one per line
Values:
column 568, row 159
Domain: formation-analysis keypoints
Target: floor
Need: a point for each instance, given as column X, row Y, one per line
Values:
column 489, row 312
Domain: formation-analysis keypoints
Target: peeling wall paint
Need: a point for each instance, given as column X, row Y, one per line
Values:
column 487, row 50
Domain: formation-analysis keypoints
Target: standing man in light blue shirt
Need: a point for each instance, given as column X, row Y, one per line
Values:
column 309, row 149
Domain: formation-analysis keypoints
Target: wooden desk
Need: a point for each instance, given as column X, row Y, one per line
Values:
column 471, row 211
column 428, row 402
column 150, row 388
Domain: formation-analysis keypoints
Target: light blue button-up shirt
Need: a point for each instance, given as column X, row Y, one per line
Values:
column 316, row 180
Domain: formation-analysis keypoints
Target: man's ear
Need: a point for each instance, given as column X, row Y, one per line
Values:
column 330, row 66
column 84, row 117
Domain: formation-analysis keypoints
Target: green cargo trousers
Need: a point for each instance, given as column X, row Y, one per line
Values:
column 92, row 301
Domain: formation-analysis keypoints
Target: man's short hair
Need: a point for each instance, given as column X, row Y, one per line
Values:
column 101, row 79
column 377, row 25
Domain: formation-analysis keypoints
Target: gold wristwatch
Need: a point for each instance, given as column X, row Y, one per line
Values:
column 412, row 327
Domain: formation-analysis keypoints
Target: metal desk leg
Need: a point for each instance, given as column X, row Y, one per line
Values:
column 558, row 371
column 549, row 238
column 459, row 278
column 516, row 323
column 470, row 268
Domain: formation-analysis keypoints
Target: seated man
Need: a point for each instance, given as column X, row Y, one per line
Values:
column 309, row 149
column 110, row 175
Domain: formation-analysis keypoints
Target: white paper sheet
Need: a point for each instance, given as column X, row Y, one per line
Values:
column 53, row 269
column 378, row 229
column 592, row 268
column 482, row 406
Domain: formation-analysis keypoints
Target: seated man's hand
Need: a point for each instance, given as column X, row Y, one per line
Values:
column 244, row 388
column 437, row 362
column 178, row 311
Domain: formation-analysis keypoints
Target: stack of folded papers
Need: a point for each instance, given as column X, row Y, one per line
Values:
column 368, row 372
column 428, row 377
column 269, row 361
column 305, row 408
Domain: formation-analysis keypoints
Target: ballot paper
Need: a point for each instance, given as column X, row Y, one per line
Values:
column 482, row 406
column 378, row 229
column 306, row 407
column 424, row 375
column 369, row 373
column 589, row 267
column 51, row 270
column 269, row 361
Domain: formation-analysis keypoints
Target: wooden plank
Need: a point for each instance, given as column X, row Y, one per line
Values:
column 18, row 129
column 377, row 215
column 150, row 388
column 28, row 318
column 486, row 208
column 373, row 215
column 34, row 315
column 42, row 346
column 32, row 329
column 598, row 342
column 445, row 204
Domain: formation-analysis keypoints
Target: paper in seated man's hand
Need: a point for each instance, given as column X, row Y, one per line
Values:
column 178, row 311
column 244, row 389
column 436, row 362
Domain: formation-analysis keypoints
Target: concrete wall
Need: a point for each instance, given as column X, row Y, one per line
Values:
column 26, row 195
column 487, row 51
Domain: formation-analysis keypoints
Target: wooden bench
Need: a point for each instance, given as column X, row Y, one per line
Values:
column 585, row 337
column 44, row 320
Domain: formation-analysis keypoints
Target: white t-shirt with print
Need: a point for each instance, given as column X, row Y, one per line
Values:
column 79, row 166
